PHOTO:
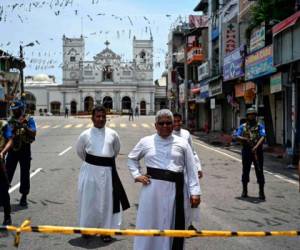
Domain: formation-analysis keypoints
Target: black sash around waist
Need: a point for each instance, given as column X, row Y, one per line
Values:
column 178, row 178
column 119, row 194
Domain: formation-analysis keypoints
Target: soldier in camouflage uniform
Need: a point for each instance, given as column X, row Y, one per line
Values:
column 6, row 142
column 252, row 135
column 24, row 130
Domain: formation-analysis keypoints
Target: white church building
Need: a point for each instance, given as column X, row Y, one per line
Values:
column 105, row 80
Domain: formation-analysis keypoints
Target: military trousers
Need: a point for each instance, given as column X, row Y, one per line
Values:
column 23, row 157
column 4, row 194
column 248, row 157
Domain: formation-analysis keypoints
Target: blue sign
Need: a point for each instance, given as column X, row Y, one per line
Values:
column 215, row 33
column 259, row 63
column 233, row 65
column 204, row 90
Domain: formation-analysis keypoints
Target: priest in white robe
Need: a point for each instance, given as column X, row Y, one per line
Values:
column 169, row 160
column 99, row 188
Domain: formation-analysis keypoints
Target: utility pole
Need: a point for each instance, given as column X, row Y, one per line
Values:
column 21, row 74
column 186, row 102
column 22, row 69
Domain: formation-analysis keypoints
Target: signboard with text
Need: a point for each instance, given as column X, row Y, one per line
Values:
column 259, row 64
column 230, row 37
column 233, row 65
column 276, row 83
column 257, row 39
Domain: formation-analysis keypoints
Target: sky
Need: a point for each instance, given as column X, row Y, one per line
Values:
column 44, row 22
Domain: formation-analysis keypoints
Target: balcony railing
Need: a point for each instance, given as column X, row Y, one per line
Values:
column 195, row 54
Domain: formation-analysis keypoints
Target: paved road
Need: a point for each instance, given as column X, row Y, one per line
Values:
column 53, row 198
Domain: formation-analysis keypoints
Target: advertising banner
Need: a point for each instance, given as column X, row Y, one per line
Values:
column 233, row 65
column 276, row 83
column 230, row 37
column 260, row 63
column 257, row 39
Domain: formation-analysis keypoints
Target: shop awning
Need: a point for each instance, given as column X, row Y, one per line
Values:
column 286, row 23
column 196, row 90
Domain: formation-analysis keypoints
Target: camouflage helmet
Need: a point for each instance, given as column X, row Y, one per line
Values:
column 17, row 104
column 251, row 110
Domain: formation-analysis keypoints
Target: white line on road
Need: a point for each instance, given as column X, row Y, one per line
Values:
column 239, row 160
column 18, row 185
column 220, row 152
column 65, row 151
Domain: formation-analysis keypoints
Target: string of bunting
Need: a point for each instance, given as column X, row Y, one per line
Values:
column 26, row 228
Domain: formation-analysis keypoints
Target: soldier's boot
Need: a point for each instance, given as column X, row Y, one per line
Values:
column 245, row 190
column 261, row 194
column 7, row 220
column 23, row 201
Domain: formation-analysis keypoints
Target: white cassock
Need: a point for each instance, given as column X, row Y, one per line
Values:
column 192, row 214
column 95, row 182
column 157, row 200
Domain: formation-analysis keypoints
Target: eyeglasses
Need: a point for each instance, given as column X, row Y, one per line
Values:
column 164, row 123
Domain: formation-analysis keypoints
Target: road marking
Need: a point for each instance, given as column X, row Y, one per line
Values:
column 78, row 125
column 56, row 126
column 133, row 125
column 65, row 151
column 145, row 125
column 68, row 126
column 112, row 125
column 123, row 125
column 239, row 160
column 18, row 184
column 218, row 151
column 46, row 126
column 89, row 125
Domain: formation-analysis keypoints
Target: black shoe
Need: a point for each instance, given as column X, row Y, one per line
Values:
column 262, row 196
column 244, row 194
column 106, row 238
column 7, row 220
column 23, row 201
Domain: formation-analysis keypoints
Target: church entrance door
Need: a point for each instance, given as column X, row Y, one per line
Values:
column 88, row 104
column 143, row 110
column 73, row 108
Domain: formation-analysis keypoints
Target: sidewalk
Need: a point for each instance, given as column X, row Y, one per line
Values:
column 274, row 157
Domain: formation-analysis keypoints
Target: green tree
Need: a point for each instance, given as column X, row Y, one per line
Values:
column 270, row 12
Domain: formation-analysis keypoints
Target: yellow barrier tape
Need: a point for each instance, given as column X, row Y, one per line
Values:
column 25, row 228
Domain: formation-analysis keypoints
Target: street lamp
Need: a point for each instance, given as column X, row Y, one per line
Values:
column 21, row 69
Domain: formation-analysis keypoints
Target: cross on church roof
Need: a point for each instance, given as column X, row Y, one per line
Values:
column 107, row 43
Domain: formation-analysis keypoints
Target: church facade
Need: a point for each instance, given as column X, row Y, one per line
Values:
column 105, row 80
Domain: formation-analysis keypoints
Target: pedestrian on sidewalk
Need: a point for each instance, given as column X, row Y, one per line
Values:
column 170, row 161
column 66, row 112
column 6, row 142
column 130, row 114
column 24, row 130
column 252, row 135
column 100, row 190
column 136, row 111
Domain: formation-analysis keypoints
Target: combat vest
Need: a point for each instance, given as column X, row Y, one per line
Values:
column 252, row 133
column 21, row 137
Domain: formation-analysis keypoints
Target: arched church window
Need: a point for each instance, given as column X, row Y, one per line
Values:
column 107, row 73
column 72, row 59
